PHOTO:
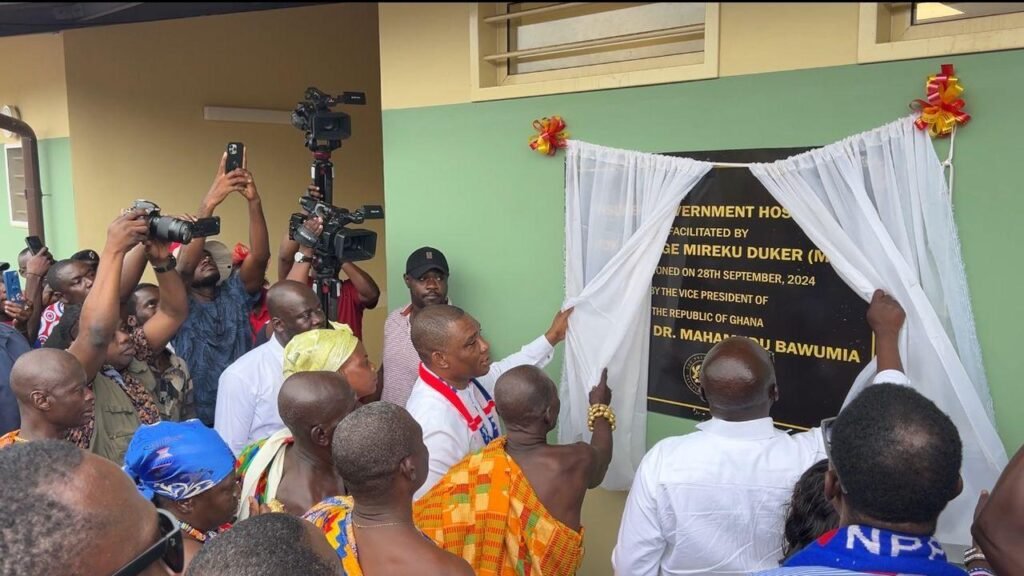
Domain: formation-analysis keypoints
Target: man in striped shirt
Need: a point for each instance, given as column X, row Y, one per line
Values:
column 426, row 275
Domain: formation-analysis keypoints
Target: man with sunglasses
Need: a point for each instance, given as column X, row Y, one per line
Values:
column 713, row 501
column 66, row 511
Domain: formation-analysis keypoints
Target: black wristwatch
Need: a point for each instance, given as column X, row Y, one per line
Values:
column 171, row 264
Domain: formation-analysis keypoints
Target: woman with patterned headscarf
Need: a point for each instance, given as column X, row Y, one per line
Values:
column 186, row 469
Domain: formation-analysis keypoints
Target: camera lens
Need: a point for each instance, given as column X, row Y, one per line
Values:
column 170, row 229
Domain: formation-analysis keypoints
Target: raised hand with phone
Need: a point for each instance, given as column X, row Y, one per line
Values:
column 35, row 268
column 227, row 300
column 15, row 307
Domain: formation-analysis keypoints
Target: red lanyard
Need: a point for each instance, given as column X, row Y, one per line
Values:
column 445, row 389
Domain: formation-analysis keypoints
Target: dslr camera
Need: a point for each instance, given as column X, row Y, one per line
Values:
column 171, row 229
column 336, row 244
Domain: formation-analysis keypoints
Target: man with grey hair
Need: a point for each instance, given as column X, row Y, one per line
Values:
column 453, row 398
column 379, row 450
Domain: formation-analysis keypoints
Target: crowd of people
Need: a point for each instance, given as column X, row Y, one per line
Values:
column 213, row 424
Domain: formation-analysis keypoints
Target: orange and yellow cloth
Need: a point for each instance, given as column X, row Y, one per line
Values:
column 11, row 438
column 334, row 518
column 485, row 511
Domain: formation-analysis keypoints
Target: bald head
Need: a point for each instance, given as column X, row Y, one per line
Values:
column 431, row 329
column 44, row 370
column 525, row 396
column 294, row 309
column 738, row 379
column 371, row 445
column 314, row 400
column 284, row 293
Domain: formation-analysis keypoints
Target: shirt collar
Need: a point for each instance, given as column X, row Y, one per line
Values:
column 408, row 308
column 275, row 346
column 760, row 429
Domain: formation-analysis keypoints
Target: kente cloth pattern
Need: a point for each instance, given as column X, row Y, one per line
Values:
column 260, row 467
column 177, row 460
column 333, row 517
column 485, row 511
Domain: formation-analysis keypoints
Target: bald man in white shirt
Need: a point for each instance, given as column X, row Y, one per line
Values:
column 248, row 389
column 713, row 501
column 453, row 398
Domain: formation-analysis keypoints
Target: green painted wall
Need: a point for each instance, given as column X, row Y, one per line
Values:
column 58, row 204
column 462, row 179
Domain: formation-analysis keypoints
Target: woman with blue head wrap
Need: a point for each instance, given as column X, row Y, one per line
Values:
column 188, row 470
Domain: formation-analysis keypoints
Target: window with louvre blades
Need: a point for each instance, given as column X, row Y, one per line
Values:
column 531, row 48
column 15, row 170
column 904, row 30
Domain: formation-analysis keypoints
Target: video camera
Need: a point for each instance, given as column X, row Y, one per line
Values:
column 314, row 117
column 324, row 131
column 172, row 229
column 336, row 244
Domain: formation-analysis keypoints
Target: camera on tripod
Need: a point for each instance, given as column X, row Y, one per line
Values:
column 314, row 117
column 324, row 130
column 336, row 243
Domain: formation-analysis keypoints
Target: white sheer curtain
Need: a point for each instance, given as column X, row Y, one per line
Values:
column 877, row 205
column 619, row 208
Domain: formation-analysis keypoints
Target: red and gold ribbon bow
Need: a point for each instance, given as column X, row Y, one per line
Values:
column 552, row 135
column 943, row 107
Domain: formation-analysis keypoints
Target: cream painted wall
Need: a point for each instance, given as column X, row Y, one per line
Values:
column 32, row 78
column 774, row 36
column 424, row 54
column 136, row 95
column 425, row 57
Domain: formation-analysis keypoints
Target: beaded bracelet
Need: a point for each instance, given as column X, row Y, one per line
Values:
column 973, row 554
column 600, row 411
column 980, row 572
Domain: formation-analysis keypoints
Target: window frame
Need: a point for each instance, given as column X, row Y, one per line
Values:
column 886, row 33
column 493, row 82
column 7, row 183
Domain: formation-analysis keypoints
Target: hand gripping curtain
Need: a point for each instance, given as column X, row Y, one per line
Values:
column 877, row 205
column 620, row 206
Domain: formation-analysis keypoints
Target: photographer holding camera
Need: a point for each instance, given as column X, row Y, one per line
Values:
column 359, row 291
column 217, row 331
column 101, row 340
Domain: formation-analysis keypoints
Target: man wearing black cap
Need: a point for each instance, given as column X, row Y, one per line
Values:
column 88, row 256
column 426, row 275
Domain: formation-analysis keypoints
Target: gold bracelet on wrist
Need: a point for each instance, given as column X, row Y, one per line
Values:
column 600, row 411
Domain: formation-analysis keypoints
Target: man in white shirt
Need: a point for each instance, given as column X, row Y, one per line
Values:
column 453, row 398
column 713, row 501
column 248, row 389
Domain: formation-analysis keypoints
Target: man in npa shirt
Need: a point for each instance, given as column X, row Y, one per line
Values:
column 894, row 465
